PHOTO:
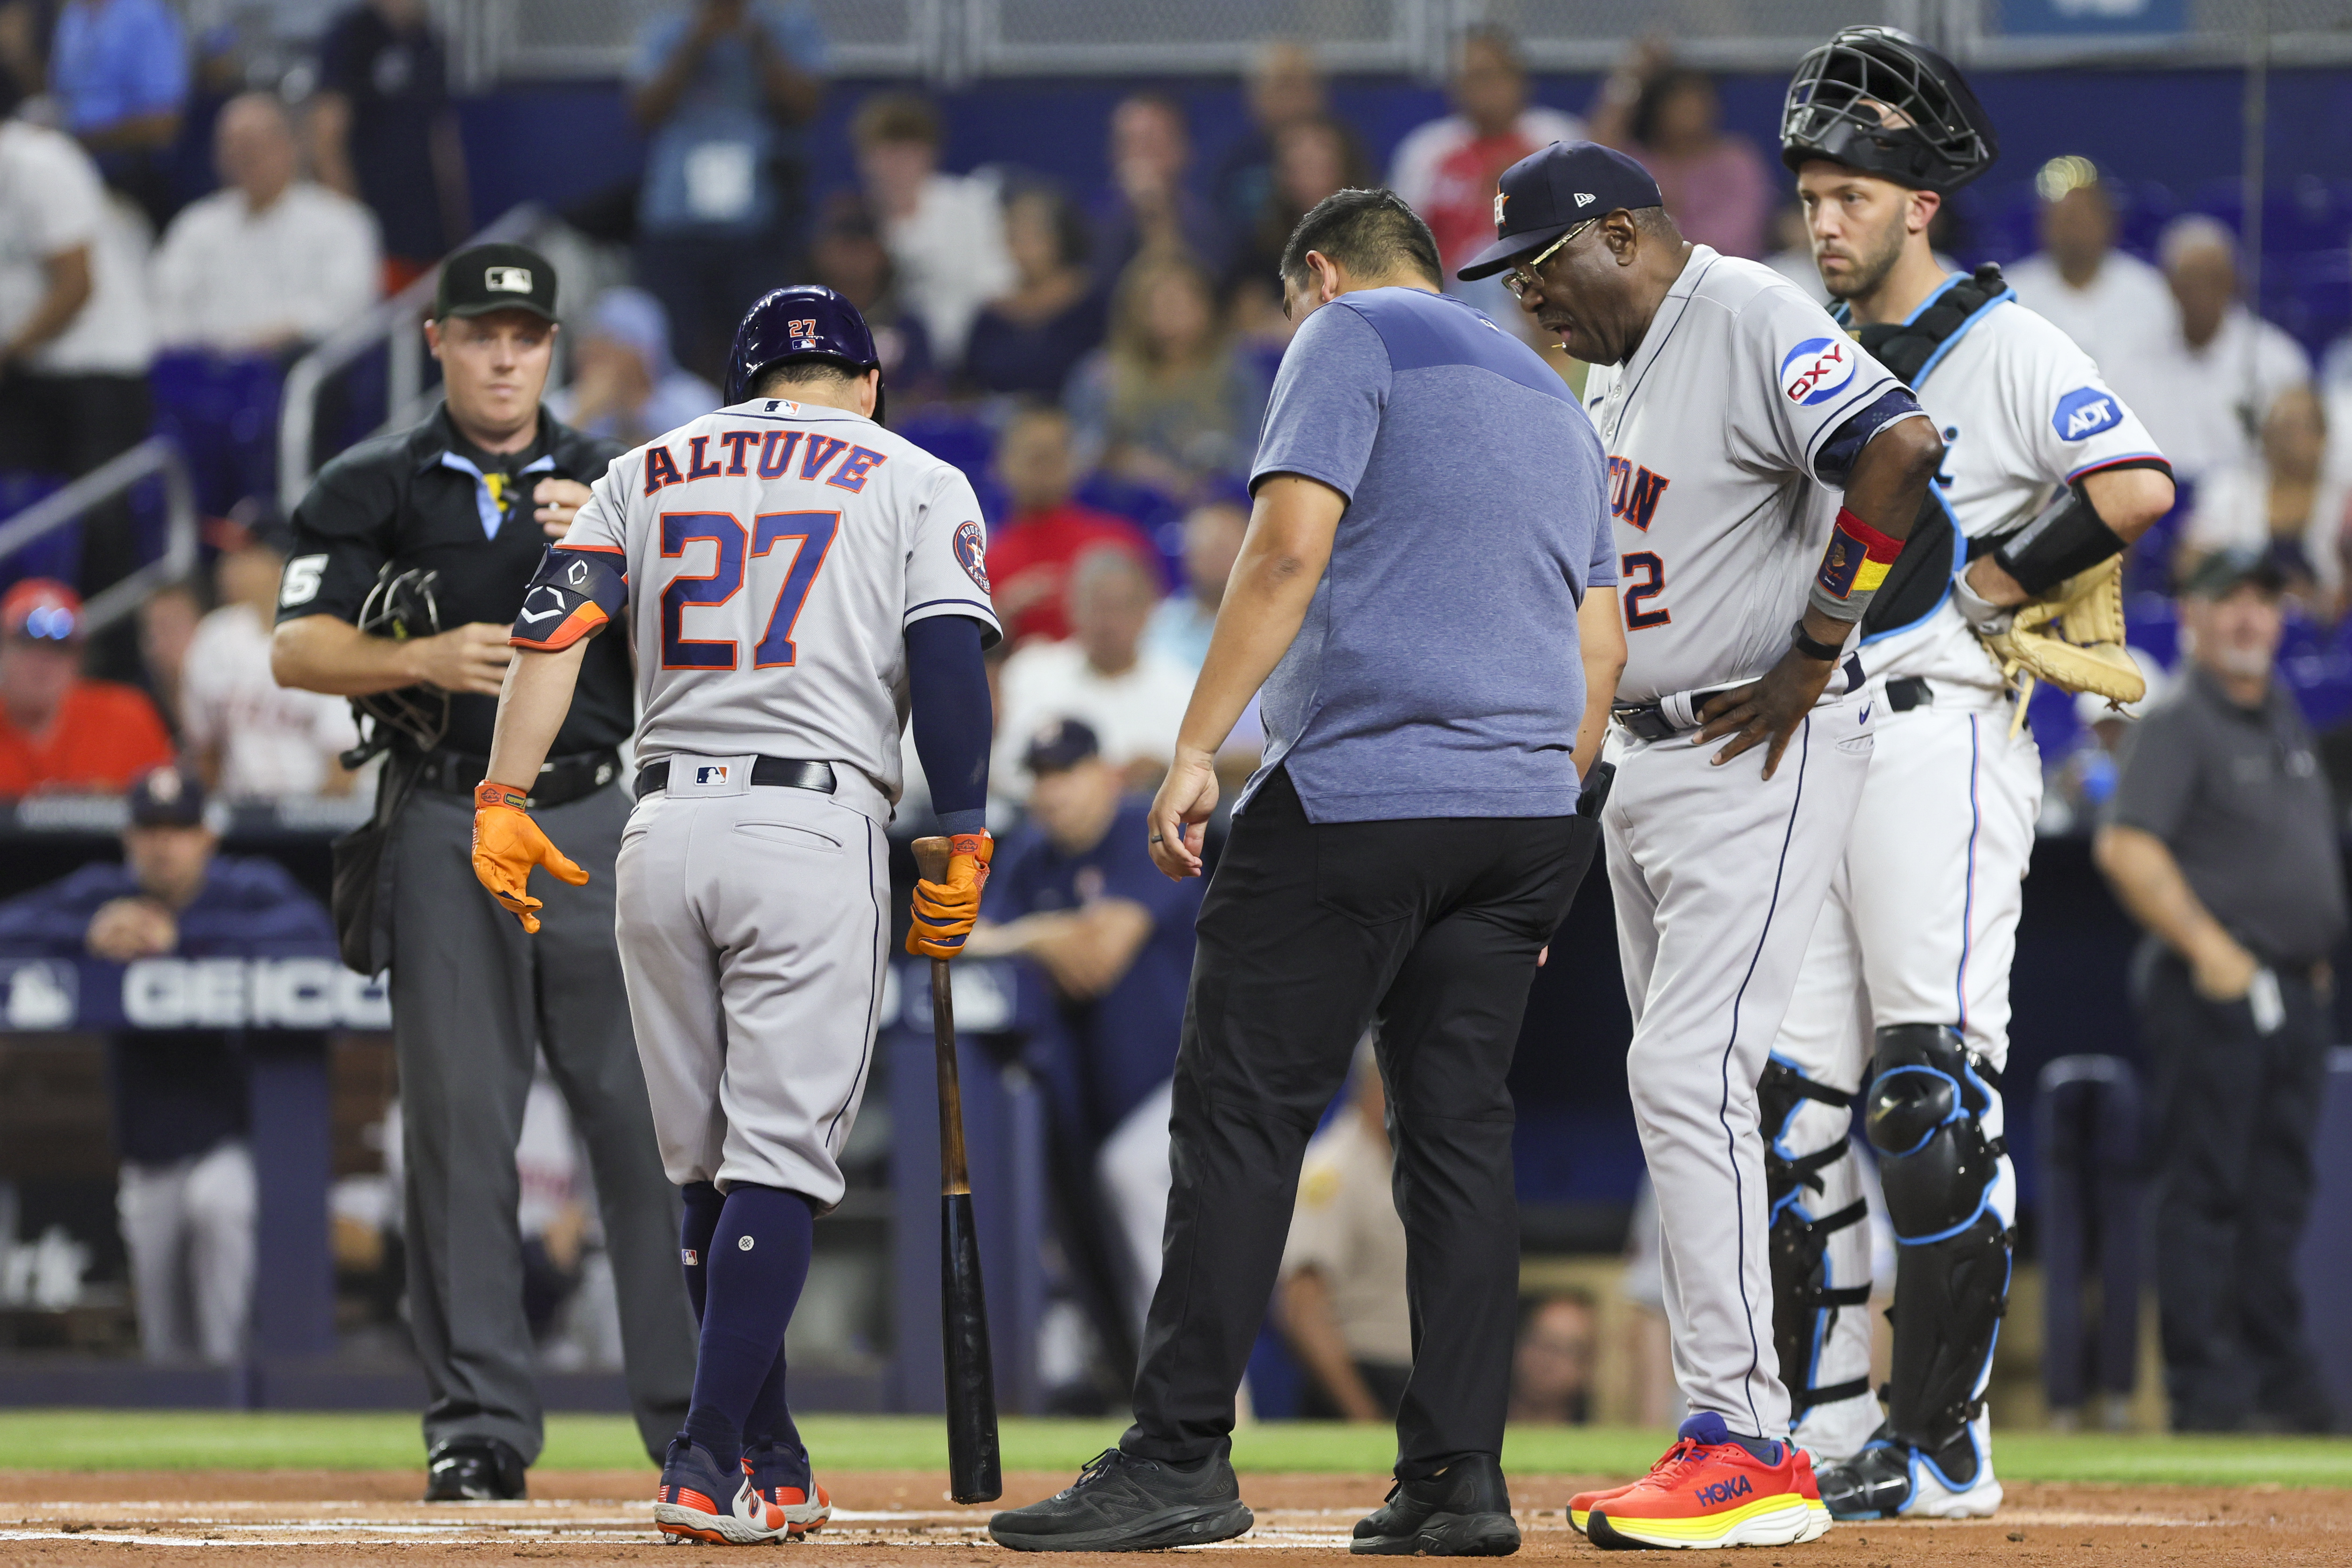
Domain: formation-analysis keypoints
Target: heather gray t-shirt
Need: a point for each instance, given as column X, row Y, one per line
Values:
column 1438, row 672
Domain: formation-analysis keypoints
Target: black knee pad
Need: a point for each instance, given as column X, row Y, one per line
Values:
column 1779, row 1093
column 1804, row 1306
column 1925, row 1117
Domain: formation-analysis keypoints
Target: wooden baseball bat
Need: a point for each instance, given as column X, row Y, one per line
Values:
column 975, row 1472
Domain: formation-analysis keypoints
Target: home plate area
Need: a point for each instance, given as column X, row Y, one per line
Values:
column 59, row 1517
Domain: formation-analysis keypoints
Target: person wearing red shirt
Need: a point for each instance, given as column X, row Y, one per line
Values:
column 1029, row 558
column 59, row 732
column 1448, row 170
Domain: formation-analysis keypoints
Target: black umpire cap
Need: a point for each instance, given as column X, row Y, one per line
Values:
column 486, row 278
column 1549, row 192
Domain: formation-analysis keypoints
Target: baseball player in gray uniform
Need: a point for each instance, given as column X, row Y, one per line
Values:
column 2046, row 473
column 792, row 578
column 1763, row 471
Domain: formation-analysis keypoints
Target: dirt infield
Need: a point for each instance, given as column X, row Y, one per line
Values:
column 57, row 1519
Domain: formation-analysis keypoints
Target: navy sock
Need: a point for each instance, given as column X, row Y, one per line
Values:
column 758, row 1260
column 770, row 1421
column 1762, row 1450
column 703, row 1202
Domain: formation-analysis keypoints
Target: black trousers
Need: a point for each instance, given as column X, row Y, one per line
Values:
column 1307, row 934
column 2236, row 1112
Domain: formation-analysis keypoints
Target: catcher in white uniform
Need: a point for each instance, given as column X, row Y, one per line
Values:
column 2046, row 476
column 1763, row 470
column 791, row 576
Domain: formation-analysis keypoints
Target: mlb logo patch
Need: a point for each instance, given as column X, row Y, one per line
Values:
column 711, row 774
column 2085, row 412
column 1817, row 370
column 689, row 1257
column 507, row 279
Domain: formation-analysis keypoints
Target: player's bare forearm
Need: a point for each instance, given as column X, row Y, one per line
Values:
column 530, row 710
column 2130, row 501
column 1313, row 1330
column 2148, row 882
column 1600, row 633
column 1891, row 475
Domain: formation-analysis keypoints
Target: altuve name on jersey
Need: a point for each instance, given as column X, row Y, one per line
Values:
column 774, row 460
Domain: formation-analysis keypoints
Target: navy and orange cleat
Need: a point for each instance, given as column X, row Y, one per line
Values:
column 782, row 1475
column 1709, row 1492
column 701, row 1499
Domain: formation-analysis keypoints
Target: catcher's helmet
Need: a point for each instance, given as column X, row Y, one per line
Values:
column 401, row 605
column 804, row 321
column 1878, row 100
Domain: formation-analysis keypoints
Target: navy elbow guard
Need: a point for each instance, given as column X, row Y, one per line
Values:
column 577, row 590
column 2069, row 537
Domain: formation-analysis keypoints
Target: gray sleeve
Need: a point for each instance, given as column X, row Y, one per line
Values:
column 1325, row 413
column 2156, row 781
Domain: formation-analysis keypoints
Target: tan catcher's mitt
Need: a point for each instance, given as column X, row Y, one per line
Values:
column 2073, row 637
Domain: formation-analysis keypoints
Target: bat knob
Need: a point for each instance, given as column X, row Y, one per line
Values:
column 931, row 857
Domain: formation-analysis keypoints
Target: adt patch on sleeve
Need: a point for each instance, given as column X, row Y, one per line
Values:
column 2085, row 412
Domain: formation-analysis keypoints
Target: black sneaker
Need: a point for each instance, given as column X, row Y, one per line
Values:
column 1464, row 1510
column 473, row 1470
column 1121, row 1503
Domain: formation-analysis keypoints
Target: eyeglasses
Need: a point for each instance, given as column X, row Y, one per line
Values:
column 1522, row 277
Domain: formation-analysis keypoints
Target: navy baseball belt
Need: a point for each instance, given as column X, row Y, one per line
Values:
column 767, row 772
column 561, row 782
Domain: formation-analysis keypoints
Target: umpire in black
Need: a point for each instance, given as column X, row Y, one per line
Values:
column 471, row 497
column 1428, row 551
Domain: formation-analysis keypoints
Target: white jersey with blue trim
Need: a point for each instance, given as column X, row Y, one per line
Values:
column 1714, row 430
column 776, row 551
column 2022, row 412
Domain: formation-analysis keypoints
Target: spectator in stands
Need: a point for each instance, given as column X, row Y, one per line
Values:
column 1167, row 402
column 2289, row 506
column 168, row 618
column 2223, row 842
column 1045, row 531
column 1148, row 209
column 75, row 332
column 848, row 257
column 1342, row 1300
column 119, row 71
column 1027, row 340
column 1551, row 1373
column 722, row 88
column 2212, row 380
column 1073, row 890
column 1313, row 157
column 1668, row 117
column 1102, row 676
column 383, row 131
column 1213, row 542
column 1283, row 85
column 945, row 232
column 625, row 385
column 247, row 736
column 186, row 1199
column 270, row 263
column 26, row 27
column 59, row 732
column 1446, row 170
column 2114, row 305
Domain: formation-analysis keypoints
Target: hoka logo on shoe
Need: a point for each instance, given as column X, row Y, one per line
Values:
column 1723, row 1492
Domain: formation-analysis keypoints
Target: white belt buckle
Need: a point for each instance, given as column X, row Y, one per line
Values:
column 709, row 777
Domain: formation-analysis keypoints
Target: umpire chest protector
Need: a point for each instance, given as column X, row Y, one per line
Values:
column 1922, row 574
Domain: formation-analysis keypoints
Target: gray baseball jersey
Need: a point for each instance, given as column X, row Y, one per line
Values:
column 776, row 552
column 1715, row 432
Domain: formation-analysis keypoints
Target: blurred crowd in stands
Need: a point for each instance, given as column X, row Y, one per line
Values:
column 175, row 231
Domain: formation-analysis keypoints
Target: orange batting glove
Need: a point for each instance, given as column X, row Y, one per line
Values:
column 944, row 911
column 507, row 843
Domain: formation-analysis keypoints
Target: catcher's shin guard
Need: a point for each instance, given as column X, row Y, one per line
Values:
column 1940, row 1166
column 1807, row 1293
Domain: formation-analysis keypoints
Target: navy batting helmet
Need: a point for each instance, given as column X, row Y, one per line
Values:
column 804, row 321
column 1878, row 100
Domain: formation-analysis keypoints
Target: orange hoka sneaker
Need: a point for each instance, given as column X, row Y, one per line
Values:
column 1581, row 1506
column 1709, row 1492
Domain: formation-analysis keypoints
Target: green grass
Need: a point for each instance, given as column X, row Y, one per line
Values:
column 205, row 1439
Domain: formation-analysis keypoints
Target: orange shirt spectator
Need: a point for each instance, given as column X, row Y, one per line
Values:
column 59, row 732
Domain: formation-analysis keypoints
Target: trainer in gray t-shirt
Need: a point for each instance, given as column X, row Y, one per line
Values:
column 1438, row 672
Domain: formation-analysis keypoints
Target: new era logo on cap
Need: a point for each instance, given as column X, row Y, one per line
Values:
column 1583, row 198
column 507, row 279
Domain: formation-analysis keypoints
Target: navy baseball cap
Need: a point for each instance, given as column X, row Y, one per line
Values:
column 1064, row 743
column 1549, row 192
column 166, row 797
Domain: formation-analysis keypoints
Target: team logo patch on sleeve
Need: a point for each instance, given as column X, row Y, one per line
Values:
column 1817, row 370
column 971, row 552
column 2085, row 412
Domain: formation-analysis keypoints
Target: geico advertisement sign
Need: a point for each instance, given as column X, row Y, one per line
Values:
column 250, row 993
